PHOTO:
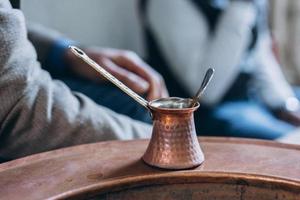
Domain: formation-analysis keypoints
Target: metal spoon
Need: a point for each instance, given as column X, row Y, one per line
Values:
column 79, row 53
column 207, row 78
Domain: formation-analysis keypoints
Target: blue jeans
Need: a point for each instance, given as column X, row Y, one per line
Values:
column 109, row 96
column 242, row 119
column 237, row 115
column 241, row 114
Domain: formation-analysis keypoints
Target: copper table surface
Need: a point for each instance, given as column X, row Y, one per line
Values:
column 99, row 168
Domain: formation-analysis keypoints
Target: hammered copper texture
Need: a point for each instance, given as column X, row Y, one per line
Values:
column 174, row 143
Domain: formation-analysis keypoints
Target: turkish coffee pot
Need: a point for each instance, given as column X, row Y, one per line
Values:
column 174, row 143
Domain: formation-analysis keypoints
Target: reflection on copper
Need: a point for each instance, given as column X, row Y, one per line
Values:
column 174, row 143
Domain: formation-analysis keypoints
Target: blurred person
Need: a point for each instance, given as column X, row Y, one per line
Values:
column 52, row 51
column 248, row 96
column 39, row 114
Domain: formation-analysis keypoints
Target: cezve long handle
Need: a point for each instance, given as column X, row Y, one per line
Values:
column 79, row 53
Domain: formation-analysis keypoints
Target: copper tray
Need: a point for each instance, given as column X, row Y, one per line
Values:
column 233, row 169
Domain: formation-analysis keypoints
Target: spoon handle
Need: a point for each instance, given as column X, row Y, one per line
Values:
column 79, row 53
column 207, row 78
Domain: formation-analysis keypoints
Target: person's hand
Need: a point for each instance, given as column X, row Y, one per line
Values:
column 126, row 66
column 289, row 111
column 292, row 117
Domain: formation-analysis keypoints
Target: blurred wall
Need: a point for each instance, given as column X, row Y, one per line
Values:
column 115, row 23
column 112, row 23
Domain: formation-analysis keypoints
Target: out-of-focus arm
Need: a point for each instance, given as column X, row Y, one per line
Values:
column 39, row 114
column 269, row 81
column 50, row 46
column 183, row 35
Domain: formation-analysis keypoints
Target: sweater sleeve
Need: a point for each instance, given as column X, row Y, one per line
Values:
column 190, row 49
column 50, row 46
column 39, row 114
column 272, row 87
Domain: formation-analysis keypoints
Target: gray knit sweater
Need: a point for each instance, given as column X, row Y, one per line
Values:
column 40, row 114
